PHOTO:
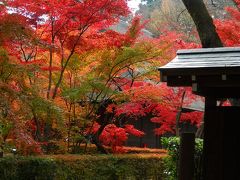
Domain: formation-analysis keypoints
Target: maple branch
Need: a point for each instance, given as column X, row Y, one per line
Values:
column 84, row 28
column 68, row 59
column 147, row 59
column 50, row 59
column 178, row 17
column 23, row 52
column 112, row 76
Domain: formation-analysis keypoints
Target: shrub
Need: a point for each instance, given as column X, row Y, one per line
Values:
column 60, row 167
column 172, row 144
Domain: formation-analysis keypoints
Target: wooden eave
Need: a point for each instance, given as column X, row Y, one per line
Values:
column 210, row 71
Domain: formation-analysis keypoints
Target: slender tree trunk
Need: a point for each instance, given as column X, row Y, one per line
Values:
column 50, row 60
column 95, row 139
column 99, row 145
column 1, row 147
column 69, row 127
column 204, row 23
column 48, row 124
column 38, row 135
column 178, row 117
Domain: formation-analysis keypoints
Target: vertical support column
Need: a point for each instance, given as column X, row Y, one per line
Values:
column 231, row 139
column 186, row 164
column 212, row 161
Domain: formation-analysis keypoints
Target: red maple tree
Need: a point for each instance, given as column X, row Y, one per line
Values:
column 228, row 28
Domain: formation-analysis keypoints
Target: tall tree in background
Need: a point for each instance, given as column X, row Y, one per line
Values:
column 204, row 23
column 60, row 30
column 173, row 15
column 207, row 31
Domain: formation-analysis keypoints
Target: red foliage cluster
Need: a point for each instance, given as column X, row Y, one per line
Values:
column 54, row 68
column 131, row 130
column 228, row 29
column 107, row 39
column 192, row 117
column 173, row 41
column 160, row 102
column 27, row 146
column 60, row 25
column 114, row 136
column 110, row 38
column 24, row 141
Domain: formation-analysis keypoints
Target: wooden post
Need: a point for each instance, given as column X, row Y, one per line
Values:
column 186, row 164
column 221, row 141
column 178, row 117
column 212, row 165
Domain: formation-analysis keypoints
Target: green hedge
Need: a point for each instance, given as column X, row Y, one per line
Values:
column 172, row 144
column 83, row 167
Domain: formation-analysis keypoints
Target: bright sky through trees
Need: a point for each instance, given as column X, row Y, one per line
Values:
column 133, row 4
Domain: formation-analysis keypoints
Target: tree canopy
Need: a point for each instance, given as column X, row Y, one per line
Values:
column 67, row 79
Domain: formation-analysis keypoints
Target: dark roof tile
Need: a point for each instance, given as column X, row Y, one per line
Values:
column 208, row 57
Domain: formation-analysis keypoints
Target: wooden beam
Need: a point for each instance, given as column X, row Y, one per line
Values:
column 202, row 71
column 217, row 80
column 218, row 92
column 186, row 164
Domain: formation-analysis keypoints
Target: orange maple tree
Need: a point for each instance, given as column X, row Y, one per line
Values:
column 64, row 57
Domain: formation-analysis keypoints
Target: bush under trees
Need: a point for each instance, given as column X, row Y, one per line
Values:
column 131, row 166
column 172, row 144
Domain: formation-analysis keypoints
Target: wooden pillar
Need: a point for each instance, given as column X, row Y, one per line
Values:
column 221, row 142
column 211, row 164
column 186, row 164
column 231, row 140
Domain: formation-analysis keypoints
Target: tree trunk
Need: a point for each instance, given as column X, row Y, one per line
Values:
column 1, row 148
column 95, row 139
column 206, row 29
column 100, row 148
column 38, row 135
column 204, row 23
column 1, row 154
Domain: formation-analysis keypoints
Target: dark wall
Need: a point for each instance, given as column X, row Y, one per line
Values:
column 149, row 140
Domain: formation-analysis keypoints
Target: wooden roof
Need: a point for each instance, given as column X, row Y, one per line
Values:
column 208, row 59
column 212, row 69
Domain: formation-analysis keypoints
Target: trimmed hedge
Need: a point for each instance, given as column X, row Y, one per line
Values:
column 99, row 167
column 172, row 144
